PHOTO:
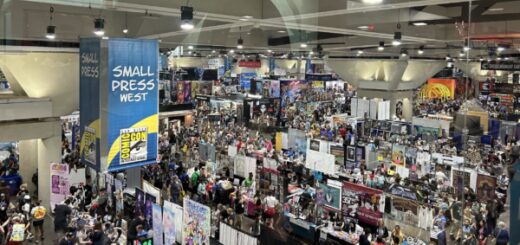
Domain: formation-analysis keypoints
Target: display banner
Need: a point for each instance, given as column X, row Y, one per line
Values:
column 360, row 201
column 249, row 64
column 278, row 141
column 320, row 161
column 132, row 103
column 196, row 220
column 245, row 79
column 398, row 155
column 157, row 224
column 139, row 205
column 330, row 196
column 60, row 183
column 152, row 190
column 168, row 223
column 486, row 186
column 460, row 180
column 89, row 82
column 148, row 209
column 405, row 211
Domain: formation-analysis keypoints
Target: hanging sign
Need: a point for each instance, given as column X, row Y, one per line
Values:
column 500, row 66
column 250, row 64
column 60, row 183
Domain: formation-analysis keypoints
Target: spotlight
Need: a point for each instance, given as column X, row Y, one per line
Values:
column 303, row 45
column 99, row 27
column 397, row 38
column 381, row 46
column 125, row 31
column 51, row 32
column 240, row 43
column 448, row 57
column 420, row 50
column 360, row 52
column 231, row 51
column 269, row 51
column 404, row 53
column 461, row 54
column 186, row 18
column 481, row 59
column 466, row 48
column 501, row 48
column 190, row 47
column 213, row 51
column 420, row 24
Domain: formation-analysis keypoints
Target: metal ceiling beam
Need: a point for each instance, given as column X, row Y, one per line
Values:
column 475, row 19
column 277, row 41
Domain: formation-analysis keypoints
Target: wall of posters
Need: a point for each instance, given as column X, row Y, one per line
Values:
column 290, row 90
column 157, row 224
column 172, row 223
column 331, row 196
column 297, row 140
column 398, row 155
column 60, row 183
column 196, row 220
column 132, row 103
column 245, row 79
column 320, row 161
column 370, row 210
column 486, row 186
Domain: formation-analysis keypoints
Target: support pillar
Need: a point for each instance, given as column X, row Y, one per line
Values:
column 49, row 151
column 394, row 97
column 28, row 150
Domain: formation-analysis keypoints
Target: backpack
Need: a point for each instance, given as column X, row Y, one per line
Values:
column 39, row 213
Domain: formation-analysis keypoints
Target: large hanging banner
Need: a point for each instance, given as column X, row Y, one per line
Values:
column 157, row 225
column 196, row 219
column 118, row 96
column 132, row 105
column 148, row 209
column 459, row 180
column 89, row 82
column 60, row 183
column 297, row 140
column 330, row 196
column 152, row 190
column 139, row 205
column 168, row 223
column 360, row 201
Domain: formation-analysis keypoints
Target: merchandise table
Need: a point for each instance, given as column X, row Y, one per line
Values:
column 301, row 227
column 339, row 236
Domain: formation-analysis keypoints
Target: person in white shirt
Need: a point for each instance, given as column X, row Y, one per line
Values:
column 270, row 203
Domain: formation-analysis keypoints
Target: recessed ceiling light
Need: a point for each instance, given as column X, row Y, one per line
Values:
column 190, row 47
column 363, row 27
column 360, row 51
column 420, row 24
column 303, row 45
column 496, row 9
column 281, row 31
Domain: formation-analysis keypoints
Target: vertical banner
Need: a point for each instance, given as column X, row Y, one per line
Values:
column 486, row 186
column 139, row 203
column 132, row 103
column 278, row 142
column 196, row 220
column 245, row 80
column 168, row 223
column 118, row 184
column 157, row 224
column 89, row 83
column 60, row 185
column 148, row 209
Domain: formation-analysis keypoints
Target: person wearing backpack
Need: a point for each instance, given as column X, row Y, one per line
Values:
column 38, row 217
column 501, row 234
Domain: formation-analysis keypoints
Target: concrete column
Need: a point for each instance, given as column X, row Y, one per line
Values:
column 49, row 151
column 393, row 96
column 28, row 150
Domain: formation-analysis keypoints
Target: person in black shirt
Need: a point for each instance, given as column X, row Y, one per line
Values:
column 132, row 228
column 61, row 213
column 239, row 211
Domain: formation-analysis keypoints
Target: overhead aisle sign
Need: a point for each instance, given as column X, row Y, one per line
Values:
column 127, row 103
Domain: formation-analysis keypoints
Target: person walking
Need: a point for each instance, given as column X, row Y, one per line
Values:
column 38, row 217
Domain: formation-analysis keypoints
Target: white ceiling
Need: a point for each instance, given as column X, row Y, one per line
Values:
column 220, row 23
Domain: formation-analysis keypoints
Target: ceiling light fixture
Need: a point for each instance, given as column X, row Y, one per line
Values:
column 186, row 18
column 496, row 9
column 190, row 47
column 232, row 51
column 404, row 53
column 481, row 59
column 363, row 27
column 125, row 31
column 448, row 57
column 281, row 31
column 420, row 51
column 303, row 45
column 99, row 27
column 461, row 54
column 420, row 24
column 240, row 41
column 269, row 51
column 397, row 38
column 499, row 58
column 51, row 30
column 501, row 48
column 381, row 46
column 372, row 1
column 360, row 51
column 213, row 51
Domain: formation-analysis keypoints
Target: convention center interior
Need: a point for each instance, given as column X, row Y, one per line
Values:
column 260, row 122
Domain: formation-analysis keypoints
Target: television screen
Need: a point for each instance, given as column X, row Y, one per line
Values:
column 210, row 75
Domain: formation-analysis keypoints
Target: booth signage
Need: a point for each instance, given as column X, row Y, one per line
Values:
column 250, row 64
column 506, row 88
column 500, row 66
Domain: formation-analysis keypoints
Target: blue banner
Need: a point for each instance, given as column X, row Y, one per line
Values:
column 89, row 82
column 245, row 79
column 132, row 103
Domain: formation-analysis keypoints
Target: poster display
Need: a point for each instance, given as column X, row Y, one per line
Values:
column 148, row 209
column 244, row 165
column 290, row 90
column 330, row 196
column 60, row 183
column 89, row 101
column 196, row 220
column 274, row 89
column 152, row 190
column 351, row 153
column 278, row 141
column 486, row 186
column 405, row 211
column 320, row 161
column 459, row 180
column 362, row 202
column 157, row 224
column 314, row 145
column 297, row 140
column 168, row 222
column 398, row 155
column 132, row 103
column 139, row 205
column 245, row 79
column 118, row 184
